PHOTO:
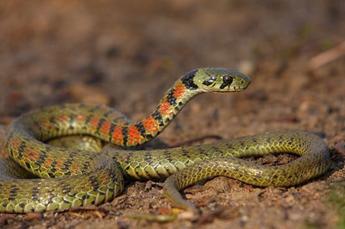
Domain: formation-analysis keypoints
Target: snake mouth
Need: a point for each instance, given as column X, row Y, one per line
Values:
column 238, row 88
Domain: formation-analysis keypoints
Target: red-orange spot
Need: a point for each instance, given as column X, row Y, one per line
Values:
column 134, row 136
column 94, row 122
column 32, row 155
column 48, row 163
column 118, row 136
column 15, row 143
column 179, row 90
column 63, row 118
column 59, row 164
column 80, row 118
column 150, row 125
column 46, row 124
column 74, row 168
column 105, row 127
column 164, row 108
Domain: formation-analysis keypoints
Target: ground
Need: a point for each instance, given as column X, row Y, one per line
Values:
column 126, row 54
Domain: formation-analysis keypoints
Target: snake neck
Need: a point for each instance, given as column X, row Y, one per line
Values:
column 105, row 123
column 170, row 105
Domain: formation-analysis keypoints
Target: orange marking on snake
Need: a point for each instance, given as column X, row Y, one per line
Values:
column 63, row 118
column 105, row 127
column 59, row 164
column 164, row 108
column 179, row 90
column 117, row 135
column 46, row 124
column 134, row 135
column 48, row 162
column 94, row 122
column 80, row 118
column 15, row 142
column 150, row 124
column 74, row 168
column 32, row 154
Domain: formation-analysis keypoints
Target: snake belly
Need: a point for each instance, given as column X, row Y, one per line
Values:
column 74, row 177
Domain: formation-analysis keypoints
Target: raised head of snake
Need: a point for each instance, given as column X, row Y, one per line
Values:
column 218, row 80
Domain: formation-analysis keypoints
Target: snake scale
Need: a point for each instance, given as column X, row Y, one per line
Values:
column 75, row 177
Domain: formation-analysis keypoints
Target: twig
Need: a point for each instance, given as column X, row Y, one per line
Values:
column 327, row 56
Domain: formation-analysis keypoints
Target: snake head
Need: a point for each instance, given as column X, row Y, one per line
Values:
column 220, row 80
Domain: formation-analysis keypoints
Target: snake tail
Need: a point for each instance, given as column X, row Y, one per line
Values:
column 314, row 160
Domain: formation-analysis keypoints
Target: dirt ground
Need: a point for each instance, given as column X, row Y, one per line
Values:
column 127, row 53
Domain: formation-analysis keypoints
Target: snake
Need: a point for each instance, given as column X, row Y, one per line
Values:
column 40, row 176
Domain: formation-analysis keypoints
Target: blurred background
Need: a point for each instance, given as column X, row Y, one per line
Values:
column 127, row 53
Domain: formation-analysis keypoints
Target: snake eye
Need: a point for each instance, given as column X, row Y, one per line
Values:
column 210, row 80
column 227, row 80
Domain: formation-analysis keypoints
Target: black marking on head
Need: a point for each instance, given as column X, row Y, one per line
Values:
column 210, row 80
column 207, row 82
column 158, row 117
column 227, row 81
column 125, row 135
column 171, row 98
column 187, row 80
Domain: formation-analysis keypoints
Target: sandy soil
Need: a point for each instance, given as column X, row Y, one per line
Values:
column 125, row 54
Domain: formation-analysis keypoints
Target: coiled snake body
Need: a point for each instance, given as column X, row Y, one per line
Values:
column 77, row 178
